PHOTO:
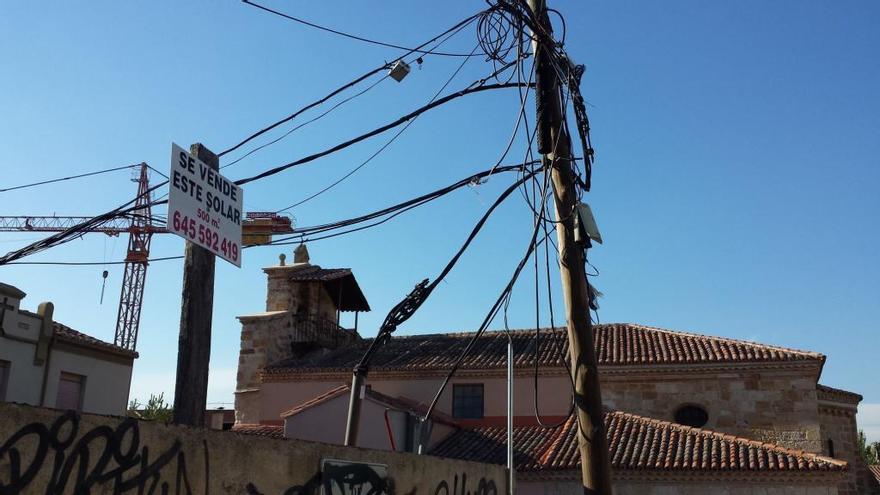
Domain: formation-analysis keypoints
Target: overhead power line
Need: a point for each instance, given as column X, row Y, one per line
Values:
column 89, row 263
column 384, row 146
column 379, row 130
column 451, row 31
column 352, row 36
column 391, row 211
column 50, row 181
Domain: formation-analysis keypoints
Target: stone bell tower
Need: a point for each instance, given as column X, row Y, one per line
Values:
column 304, row 303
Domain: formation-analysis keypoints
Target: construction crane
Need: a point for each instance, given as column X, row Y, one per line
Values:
column 257, row 228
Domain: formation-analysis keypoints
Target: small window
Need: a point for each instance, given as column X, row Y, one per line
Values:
column 694, row 416
column 70, row 391
column 4, row 378
column 467, row 401
column 830, row 448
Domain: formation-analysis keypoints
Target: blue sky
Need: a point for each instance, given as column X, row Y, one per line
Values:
column 735, row 184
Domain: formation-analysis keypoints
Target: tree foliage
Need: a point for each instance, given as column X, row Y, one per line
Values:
column 870, row 452
column 156, row 409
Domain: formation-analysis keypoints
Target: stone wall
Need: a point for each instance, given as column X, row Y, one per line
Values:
column 300, row 298
column 778, row 406
column 50, row 451
column 839, row 426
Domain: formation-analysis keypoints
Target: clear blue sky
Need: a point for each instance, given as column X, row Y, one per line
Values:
column 735, row 185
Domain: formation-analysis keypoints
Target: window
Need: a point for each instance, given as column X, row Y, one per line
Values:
column 70, row 391
column 830, row 448
column 690, row 415
column 4, row 378
column 467, row 401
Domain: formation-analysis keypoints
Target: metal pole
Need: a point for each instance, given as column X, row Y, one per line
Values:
column 510, row 468
column 354, row 408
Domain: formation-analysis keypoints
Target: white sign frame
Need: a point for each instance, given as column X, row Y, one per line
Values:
column 204, row 207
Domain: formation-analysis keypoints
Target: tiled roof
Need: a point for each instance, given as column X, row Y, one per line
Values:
column 314, row 273
column 635, row 443
column 398, row 403
column 269, row 431
column 837, row 395
column 875, row 470
column 66, row 334
column 617, row 344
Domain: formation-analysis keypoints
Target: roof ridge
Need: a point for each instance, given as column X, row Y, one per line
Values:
column 315, row 401
column 725, row 339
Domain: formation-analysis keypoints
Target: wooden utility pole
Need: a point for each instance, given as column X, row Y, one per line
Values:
column 197, row 305
column 555, row 145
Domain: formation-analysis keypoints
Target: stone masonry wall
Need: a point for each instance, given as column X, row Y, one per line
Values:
column 765, row 405
column 839, row 426
column 300, row 298
column 51, row 451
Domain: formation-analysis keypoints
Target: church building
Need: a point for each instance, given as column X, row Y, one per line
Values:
column 685, row 413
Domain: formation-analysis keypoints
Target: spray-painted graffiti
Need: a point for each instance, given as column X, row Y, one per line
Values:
column 338, row 478
column 342, row 478
column 483, row 487
column 69, row 454
column 101, row 456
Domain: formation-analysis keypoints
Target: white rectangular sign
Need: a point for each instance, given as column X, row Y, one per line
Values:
column 204, row 207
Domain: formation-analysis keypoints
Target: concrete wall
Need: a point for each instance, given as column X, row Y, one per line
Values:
column 126, row 456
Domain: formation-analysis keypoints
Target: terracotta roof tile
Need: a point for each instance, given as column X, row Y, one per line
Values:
column 634, row 442
column 315, row 273
column 269, row 431
column 67, row 334
column 617, row 344
column 320, row 399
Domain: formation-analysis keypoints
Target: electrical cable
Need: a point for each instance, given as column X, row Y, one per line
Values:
column 413, row 301
column 451, row 31
column 50, row 181
column 81, row 228
column 376, row 131
column 88, row 263
column 300, row 233
column 490, row 316
column 352, row 36
column 384, row 146
column 339, row 104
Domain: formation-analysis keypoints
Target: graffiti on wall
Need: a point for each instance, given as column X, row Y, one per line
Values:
column 101, row 456
column 358, row 478
column 63, row 458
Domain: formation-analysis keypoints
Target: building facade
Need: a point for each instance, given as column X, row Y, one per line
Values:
column 686, row 412
column 45, row 363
